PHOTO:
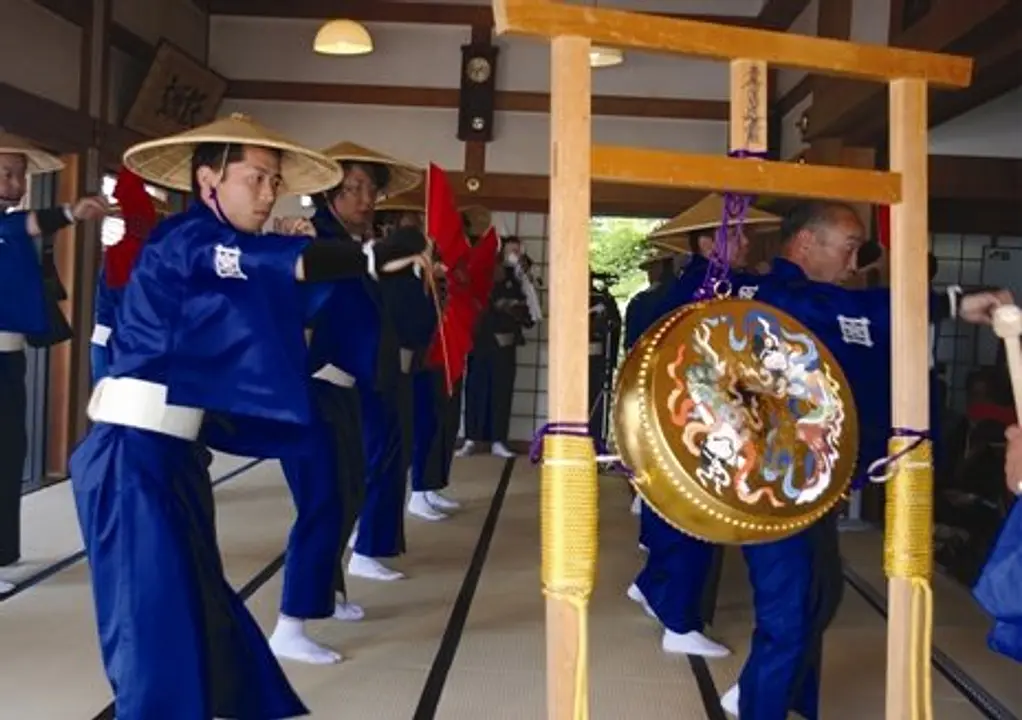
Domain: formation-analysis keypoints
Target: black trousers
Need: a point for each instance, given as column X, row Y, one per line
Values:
column 437, row 472
column 13, row 452
column 599, row 401
column 341, row 408
column 489, row 388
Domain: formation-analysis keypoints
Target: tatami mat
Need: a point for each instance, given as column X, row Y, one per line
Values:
column 49, row 658
column 49, row 665
column 388, row 655
column 49, row 525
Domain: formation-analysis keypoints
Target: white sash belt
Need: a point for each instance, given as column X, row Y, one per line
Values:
column 335, row 376
column 406, row 360
column 101, row 335
column 143, row 405
column 11, row 342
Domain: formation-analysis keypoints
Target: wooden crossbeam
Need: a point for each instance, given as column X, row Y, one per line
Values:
column 635, row 166
column 622, row 29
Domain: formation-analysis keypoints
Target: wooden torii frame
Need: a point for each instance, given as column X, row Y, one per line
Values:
column 575, row 162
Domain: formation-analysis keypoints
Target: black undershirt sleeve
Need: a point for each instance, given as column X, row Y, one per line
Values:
column 326, row 260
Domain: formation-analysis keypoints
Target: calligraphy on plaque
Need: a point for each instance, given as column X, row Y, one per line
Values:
column 177, row 94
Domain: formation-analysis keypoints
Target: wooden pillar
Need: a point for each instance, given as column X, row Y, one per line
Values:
column 909, row 360
column 59, row 396
column 570, row 206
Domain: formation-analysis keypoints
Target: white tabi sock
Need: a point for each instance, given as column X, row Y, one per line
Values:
column 441, row 502
column 501, row 450
column 729, row 701
column 418, row 505
column 692, row 643
column 636, row 596
column 6, row 587
column 347, row 611
column 467, row 449
column 354, row 537
column 371, row 569
column 289, row 641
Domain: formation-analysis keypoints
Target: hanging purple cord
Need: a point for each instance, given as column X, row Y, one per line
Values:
column 735, row 208
column 878, row 471
column 574, row 429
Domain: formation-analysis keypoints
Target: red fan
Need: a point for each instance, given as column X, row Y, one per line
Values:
column 139, row 214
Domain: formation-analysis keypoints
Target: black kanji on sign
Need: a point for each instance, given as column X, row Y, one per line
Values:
column 182, row 103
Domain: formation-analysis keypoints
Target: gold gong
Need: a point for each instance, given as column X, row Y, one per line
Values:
column 736, row 421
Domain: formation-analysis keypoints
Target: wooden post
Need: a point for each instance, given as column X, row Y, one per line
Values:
column 570, row 204
column 909, row 357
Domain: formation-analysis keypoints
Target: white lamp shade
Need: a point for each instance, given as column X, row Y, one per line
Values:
column 343, row 37
column 605, row 57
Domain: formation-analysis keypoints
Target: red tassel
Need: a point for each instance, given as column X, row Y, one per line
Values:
column 139, row 214
column 884, row 225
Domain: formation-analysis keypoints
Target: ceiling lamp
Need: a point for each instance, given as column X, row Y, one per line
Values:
column 343, row 37
column 600, row 57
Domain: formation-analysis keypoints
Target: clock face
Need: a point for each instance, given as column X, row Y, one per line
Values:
column 478, row 69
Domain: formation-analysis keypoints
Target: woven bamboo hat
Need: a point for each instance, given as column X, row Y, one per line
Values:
column 706, row 214
column 167, row 162
column 406, row 202
column 403, row 176
column 656, row 255
column 37, row 161
column 477, row 219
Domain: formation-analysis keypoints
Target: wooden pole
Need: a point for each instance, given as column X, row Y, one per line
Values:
column 909, row 360
column 570, row 202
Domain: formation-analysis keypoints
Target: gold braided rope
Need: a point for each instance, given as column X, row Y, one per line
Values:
column 908, row 553
column 569, row 529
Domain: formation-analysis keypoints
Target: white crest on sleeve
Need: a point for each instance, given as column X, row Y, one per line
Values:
column 227, row 263
column 855, row 331
column 748, row 292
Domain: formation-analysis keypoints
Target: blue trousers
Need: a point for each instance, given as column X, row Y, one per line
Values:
column 381, row 522
column 775, row 679
column 176, row 640
column 99, row 356
column 314, row 544
column 675, row 576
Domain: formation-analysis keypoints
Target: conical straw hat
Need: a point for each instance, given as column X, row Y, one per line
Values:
column 477, row 218
column 706, row 214
column 37, row 161
column 403, row 176
column 406, row 202
column 167, row 162
column 658, row 254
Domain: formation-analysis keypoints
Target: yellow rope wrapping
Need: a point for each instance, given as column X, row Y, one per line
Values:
column 569, row 529
column 908, row 553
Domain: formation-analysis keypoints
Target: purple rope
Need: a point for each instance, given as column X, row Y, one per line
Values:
column 878, row 471
column 575, row 429
column 736, row 207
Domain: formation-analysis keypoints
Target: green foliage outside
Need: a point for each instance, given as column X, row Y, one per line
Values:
column 618, row 246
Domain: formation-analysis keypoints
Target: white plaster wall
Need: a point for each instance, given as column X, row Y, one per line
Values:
column 178, row 21
column 40, row 53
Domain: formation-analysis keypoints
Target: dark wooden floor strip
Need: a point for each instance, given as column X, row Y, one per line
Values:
column 429, row 701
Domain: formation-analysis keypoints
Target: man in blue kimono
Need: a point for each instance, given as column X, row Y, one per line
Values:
column 26, row 316
column 212, row 321
column 797, row 581
column 376, row 361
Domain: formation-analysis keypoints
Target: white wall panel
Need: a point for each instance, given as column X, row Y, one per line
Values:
column 179, row 21
column 274, row 49
column 871, row 21
column 40, row 52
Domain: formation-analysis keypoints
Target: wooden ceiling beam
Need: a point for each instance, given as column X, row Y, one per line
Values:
column 855, row 109
column 382, row 11
column 448, row 98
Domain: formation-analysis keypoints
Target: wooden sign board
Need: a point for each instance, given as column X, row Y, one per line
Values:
column 177, row 94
